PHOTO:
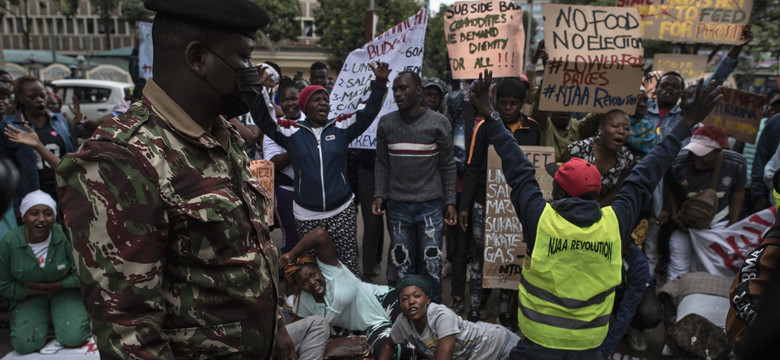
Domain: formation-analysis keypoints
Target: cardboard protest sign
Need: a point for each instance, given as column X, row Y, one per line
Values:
column 689, row 66
column 402, row 47
column 693, row 21
column 730, row 82
column 595, row 58
column 263, row 170
column 145, row 50
column 482, row 35
column 504, row 246
column 739, row 112
column 722, row 252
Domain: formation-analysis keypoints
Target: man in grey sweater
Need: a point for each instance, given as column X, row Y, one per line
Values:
column 415, row 180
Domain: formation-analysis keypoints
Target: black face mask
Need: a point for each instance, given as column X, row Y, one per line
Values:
column 248, row 82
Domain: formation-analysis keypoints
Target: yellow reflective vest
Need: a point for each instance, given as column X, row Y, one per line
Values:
column 567, row 289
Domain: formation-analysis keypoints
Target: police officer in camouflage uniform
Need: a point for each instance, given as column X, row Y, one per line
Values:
column 167, row 223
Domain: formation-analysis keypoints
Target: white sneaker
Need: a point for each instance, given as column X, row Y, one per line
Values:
column 637, row 340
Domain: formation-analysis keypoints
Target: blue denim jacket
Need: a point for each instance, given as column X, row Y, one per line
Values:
column 725, row 67
column 24, row 156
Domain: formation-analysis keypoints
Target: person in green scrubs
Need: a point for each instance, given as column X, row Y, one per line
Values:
column 38, row 275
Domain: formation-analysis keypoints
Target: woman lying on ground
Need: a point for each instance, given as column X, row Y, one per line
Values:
column 325, row 287
column 439, row 333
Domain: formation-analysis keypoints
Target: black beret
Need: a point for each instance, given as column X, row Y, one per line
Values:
column 242, row 16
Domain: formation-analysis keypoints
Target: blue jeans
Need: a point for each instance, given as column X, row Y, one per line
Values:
column 416, row 241
column 528, row 350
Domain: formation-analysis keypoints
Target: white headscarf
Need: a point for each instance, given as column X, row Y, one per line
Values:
column 37, row 197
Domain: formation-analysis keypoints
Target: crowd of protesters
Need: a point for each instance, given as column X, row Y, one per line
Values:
column 154, row 214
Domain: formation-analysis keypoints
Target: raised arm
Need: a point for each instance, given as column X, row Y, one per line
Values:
column 518, row 171
column 638, row 187
column 320, row 242
column 363, row 118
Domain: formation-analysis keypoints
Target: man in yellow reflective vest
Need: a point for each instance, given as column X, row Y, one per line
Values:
column 568, row 281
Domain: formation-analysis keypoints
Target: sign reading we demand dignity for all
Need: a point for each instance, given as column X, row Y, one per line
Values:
column 402, row 47
column 484, row 35
column 594, row 58
column 693, row 21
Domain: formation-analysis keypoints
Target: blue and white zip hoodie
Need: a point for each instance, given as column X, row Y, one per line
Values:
column 320, row 163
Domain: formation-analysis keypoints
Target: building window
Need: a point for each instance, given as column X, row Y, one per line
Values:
column 10, row 25
column 308, row 28
column 69, row 25
column 80, row 26
column 50, row 25
column 121, row 28
column 39, row 24
column 19, row 27
column 111, row 27
column 90, row 26
column 60, row 26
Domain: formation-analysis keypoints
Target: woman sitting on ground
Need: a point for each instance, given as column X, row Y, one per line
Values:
column 325, row 287
column 38, row 275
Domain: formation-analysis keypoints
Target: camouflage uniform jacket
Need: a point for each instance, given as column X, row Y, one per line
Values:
column 169, row 237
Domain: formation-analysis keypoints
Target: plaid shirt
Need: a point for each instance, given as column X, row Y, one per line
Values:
column 643, row 135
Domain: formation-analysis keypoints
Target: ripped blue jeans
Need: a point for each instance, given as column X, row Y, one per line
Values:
column 416, row 241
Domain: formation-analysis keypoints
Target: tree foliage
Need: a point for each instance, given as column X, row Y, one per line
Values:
column 341, row 23
column 133, row 11
column 283, row 23
column 104, row 9
column 435, row 58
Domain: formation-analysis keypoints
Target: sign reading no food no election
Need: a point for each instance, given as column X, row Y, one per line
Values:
column 402, row 47
column 595, row 58
column 484, row 35
column 705, row 21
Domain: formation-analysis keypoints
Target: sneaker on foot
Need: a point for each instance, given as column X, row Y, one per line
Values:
column 637, row 340
column 457, row 305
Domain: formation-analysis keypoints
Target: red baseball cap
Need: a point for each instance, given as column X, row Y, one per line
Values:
column 576, row 176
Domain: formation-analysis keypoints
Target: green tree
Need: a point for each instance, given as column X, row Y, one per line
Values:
column 68, row 7
column 283, row 23
column 341, row 24
column 435, row 58
column 104, row 9
column 20, row 10
column 133, row 11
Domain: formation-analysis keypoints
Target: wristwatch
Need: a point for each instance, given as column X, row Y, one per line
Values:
column 494, row 116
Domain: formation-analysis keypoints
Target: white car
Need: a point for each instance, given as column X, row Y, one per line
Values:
column 97, row 97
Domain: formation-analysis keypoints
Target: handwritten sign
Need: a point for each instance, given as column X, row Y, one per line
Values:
column 145, row 50
column 482, row 35
column 504, row 246
column 739, row 112
column 689, row 66
column 595, row 58
column 693, row 21
column 263, row 170
column 402, row 47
